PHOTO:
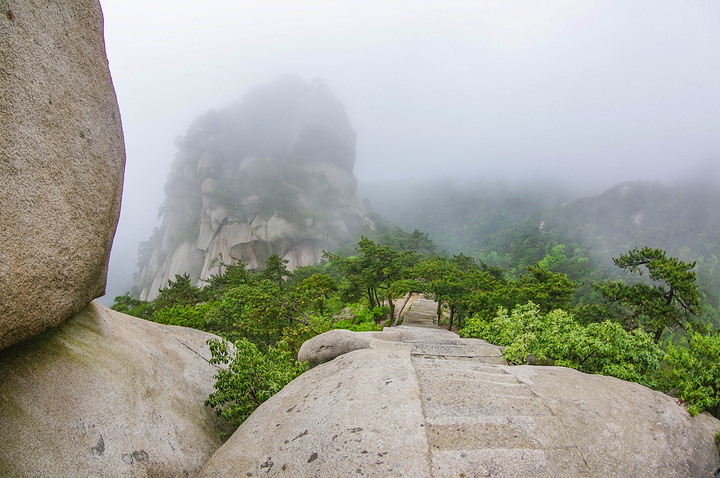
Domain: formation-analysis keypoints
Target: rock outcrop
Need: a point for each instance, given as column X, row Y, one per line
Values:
column 422, row 402
column 272, row 174
column 100, row 394
column 61, row 163
column 332, row 344
column 105, row 394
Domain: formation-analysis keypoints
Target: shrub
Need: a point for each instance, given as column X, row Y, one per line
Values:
column 557, row 338
column 364, row 319
column 184, row 315
column 251, row 377
column 696, row 370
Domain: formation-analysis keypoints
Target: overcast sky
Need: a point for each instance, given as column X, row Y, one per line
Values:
column 585, row 90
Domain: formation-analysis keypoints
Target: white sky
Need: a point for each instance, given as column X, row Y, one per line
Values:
column 600, row 91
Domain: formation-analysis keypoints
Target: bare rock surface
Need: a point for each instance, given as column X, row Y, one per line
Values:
column 332, row 344
column 358, row 415
column 105, row 394
column 490, row 420
column 420, row 401
column 61, row 163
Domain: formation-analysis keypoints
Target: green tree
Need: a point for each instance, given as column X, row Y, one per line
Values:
column 315, row 290
column 194, row 316
column 438, row 277
column 260, row 312
column 373, row 271
column 549, row 290
column 248, row 377
column 232, row 275
column 275, row 270
column 669, row 300
column 178, row 292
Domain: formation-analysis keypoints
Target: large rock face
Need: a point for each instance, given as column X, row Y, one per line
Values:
column 61, row 163
column 419, row 403
column 272, row 174
column 106, row 394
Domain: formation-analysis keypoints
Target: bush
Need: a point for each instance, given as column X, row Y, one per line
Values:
column 295, row 335
column 126, row 304
column 557, row 338
column 364, row 319
column 251, row 377
column 184, row 315
column 696, row 370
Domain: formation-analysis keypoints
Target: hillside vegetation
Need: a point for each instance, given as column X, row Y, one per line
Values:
column 551, row 225
column 648, row 332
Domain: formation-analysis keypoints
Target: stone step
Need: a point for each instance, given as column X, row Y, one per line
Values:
column 491, row 353
column 508, row 463
column 472, row 436
column 454, row 383
column 490, row 404
column 466, row 363
column 422, row 313
column 465, row 373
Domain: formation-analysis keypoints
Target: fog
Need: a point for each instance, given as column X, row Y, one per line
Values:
column 591, row 92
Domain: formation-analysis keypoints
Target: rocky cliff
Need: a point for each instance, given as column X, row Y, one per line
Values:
column 271, row 174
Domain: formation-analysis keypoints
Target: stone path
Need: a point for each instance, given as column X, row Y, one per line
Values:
column 422, row 313
column 477, row 415
column 419, row 401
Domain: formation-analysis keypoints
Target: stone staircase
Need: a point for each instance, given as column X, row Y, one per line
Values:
column 422, row 313
column 419, row 401
column 477, row 415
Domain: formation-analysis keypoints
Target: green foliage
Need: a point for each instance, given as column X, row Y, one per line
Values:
column 373, row 271
column 416, row 241
column 250, row 377
column 448, row 280
column 178, row 292
column 668, row 301
column 254, row 311
column 696, row 370
column 562, row 229
column 303, row 272
column 129, row 305
column 194, row 316
column 548, row 290
column 315, row 291
column 296, row 334
column 275, row 310
column 275, row 270
column 363, row 320
column 556, row 338
column 233, row 275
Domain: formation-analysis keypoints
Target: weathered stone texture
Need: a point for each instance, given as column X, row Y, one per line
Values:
column 418, row 401
column 358, row 415
column 332, row 344
column 61, row 163
column 105, row 394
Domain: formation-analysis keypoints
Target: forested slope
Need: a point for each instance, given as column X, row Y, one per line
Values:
column 514, row 228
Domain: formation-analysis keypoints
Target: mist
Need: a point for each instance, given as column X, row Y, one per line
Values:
column 587, row 94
